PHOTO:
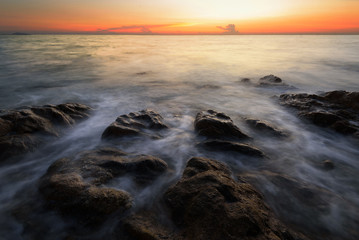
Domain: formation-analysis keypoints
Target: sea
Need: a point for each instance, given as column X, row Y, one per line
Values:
column 178, row 76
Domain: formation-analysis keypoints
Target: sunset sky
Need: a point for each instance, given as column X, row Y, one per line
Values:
column 179, row 16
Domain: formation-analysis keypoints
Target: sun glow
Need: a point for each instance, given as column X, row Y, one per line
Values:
column 239, row 9
column 179, row 17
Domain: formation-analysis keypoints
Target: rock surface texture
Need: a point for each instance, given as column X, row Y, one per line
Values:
column 207, row 203
column 337, row 110
column 213, row 124
column 267, row 81
column 135, row 123
column 24, row 130
column 286, row 194
column 74, row 186
column 223, row 134
column 265, row 128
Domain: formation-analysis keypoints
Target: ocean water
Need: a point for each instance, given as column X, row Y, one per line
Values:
column 179, row 76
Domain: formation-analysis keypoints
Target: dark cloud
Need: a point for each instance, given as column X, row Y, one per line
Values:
column 230, row 28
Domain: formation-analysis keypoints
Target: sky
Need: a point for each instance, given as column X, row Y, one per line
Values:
column 180, row 16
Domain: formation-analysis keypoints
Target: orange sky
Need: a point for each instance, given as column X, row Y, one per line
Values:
column 180, row 17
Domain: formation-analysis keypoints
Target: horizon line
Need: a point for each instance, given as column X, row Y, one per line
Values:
column 20, row 33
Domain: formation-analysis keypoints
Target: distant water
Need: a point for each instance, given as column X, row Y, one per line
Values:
column 179, row 76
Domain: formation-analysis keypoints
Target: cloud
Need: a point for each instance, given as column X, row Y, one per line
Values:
column 145, row 29
column 230, row 28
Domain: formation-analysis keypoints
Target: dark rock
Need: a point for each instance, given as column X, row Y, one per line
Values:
column 134, row 124
column 69, row 193
column 24, row 130
column 328, row 165
column 270, row 79
column 73, row 186
column 343, row 99
column 217, row 125
column 323, row 119
column 15, row 145
column 344, row 127
column 218, row 145
column 265, row 127
column 208, row 204
column 246, row 80
column 147, row 226
column 303, row 205
column 337, row 110
column 273, row 81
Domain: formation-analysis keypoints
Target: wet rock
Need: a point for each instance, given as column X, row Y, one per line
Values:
column 147, row 226
column 246, row 81
column 323, row 119
column 208, row 204
column 265, row 127
column 74, row 186
column 304, row 205
column 337, row 110
column 328, row 164
column 246, row 149
column 344, row 99
column 135, row 123
column 24, row 130
column 213, row 124
column 15, row 145
column 72, row 195
column 272, row 81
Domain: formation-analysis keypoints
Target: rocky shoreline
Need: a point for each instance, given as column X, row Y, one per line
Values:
column 211, row 200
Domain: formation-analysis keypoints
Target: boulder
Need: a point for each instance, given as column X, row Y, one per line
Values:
column 24, row 130
column 306, row 206
column 246, row 81
column 328, row 165
column 272, row 81
column 207, row 203
column 213, row 124
column 321, row 118
column 75, row 186
column 148, row 226
column 134, row 123
column 265, row 127
column 72, row 195
column 242, row 148
column 337, row 110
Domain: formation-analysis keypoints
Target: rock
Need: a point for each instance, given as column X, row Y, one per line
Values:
column 15, row 145
column 323, row 119
column 328, row 164
column 343, row 98
column 337, row 110
column 273, row 81
column 246, row 80
column 134, row 124
column 208, row 204
column 74, row 186
column 144, row 168
column 304, row 205
column 23, row 130
column 69, row 193
column 270, row 79
column 213, row 124
column 246, row 149
column 265, row 127
column 147, row 226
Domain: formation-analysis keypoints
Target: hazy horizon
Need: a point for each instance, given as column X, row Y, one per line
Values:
column 181, row 17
